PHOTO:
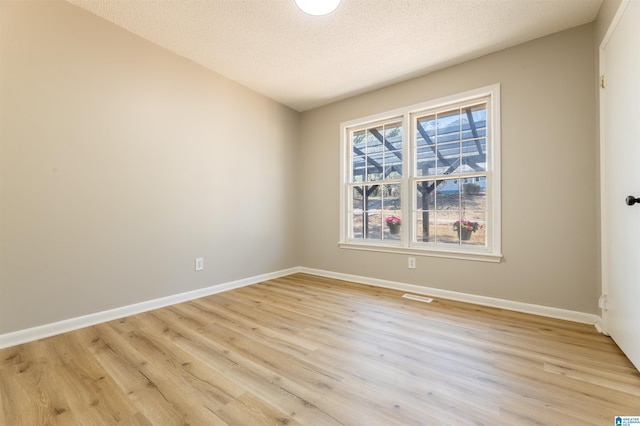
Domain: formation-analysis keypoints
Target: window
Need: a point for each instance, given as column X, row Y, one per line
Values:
column 425, row 179
column 376, row 180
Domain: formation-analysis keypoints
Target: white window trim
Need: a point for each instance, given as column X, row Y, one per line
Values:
column 493, row 251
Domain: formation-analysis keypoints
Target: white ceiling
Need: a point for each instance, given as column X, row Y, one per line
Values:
column 307, row 61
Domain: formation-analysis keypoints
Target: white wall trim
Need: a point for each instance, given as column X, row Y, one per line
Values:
column 510, row 305
column 47, row 330
column 604, row 191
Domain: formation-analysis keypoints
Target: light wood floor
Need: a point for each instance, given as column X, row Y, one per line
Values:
column 304, row 350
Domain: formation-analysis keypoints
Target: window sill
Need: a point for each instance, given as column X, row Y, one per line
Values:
column 430, row 252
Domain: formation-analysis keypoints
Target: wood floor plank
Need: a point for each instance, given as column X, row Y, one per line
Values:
column 306, row 350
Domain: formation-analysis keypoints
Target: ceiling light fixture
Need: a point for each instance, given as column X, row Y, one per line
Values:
column 318, row 7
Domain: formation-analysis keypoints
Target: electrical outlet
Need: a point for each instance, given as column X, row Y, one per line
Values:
column 199, row 263
column 412, row 263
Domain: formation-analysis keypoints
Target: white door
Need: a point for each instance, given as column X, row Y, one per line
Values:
column 620, row 150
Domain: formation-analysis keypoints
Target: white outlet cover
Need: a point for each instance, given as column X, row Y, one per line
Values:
column 412, row 263
column 199, row 263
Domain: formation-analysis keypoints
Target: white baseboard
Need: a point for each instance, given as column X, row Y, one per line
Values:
column 47, row 330
column 510, row 305
column 601, row 327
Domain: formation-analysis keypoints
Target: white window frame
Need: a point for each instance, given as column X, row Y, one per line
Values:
column 492, row 252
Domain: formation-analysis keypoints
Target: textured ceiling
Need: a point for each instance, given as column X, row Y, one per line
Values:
column 307, row 61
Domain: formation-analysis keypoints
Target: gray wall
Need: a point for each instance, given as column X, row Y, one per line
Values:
column 121, row 163
column 549, row 209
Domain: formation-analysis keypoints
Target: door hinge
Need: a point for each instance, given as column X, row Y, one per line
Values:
column 602, row 81
column 602, row 302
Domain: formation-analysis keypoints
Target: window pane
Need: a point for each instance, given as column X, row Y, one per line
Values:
column 445, row 232
column 473, row 228
column 449, row 126
column 357, row 199
column 425, row 130
column 374, row 140
column 374, row 166
column 374, row 226
column 373, row 199
column 358, row 169
column 474, row 195
column 448, row 194
column 425, row 226
column 425, row 161
column 357, row 229
column 358, row 142
column 425, row 195
column 391, row 197
column 391, row 233
column 392, row 225
column 393, row 165
column 474, row 121
column 393, row 136
column 448, row 158
column 474, row 156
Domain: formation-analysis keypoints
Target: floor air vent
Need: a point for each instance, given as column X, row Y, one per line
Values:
column 419, row 298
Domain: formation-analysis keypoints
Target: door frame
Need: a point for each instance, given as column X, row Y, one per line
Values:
column 602, row 325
